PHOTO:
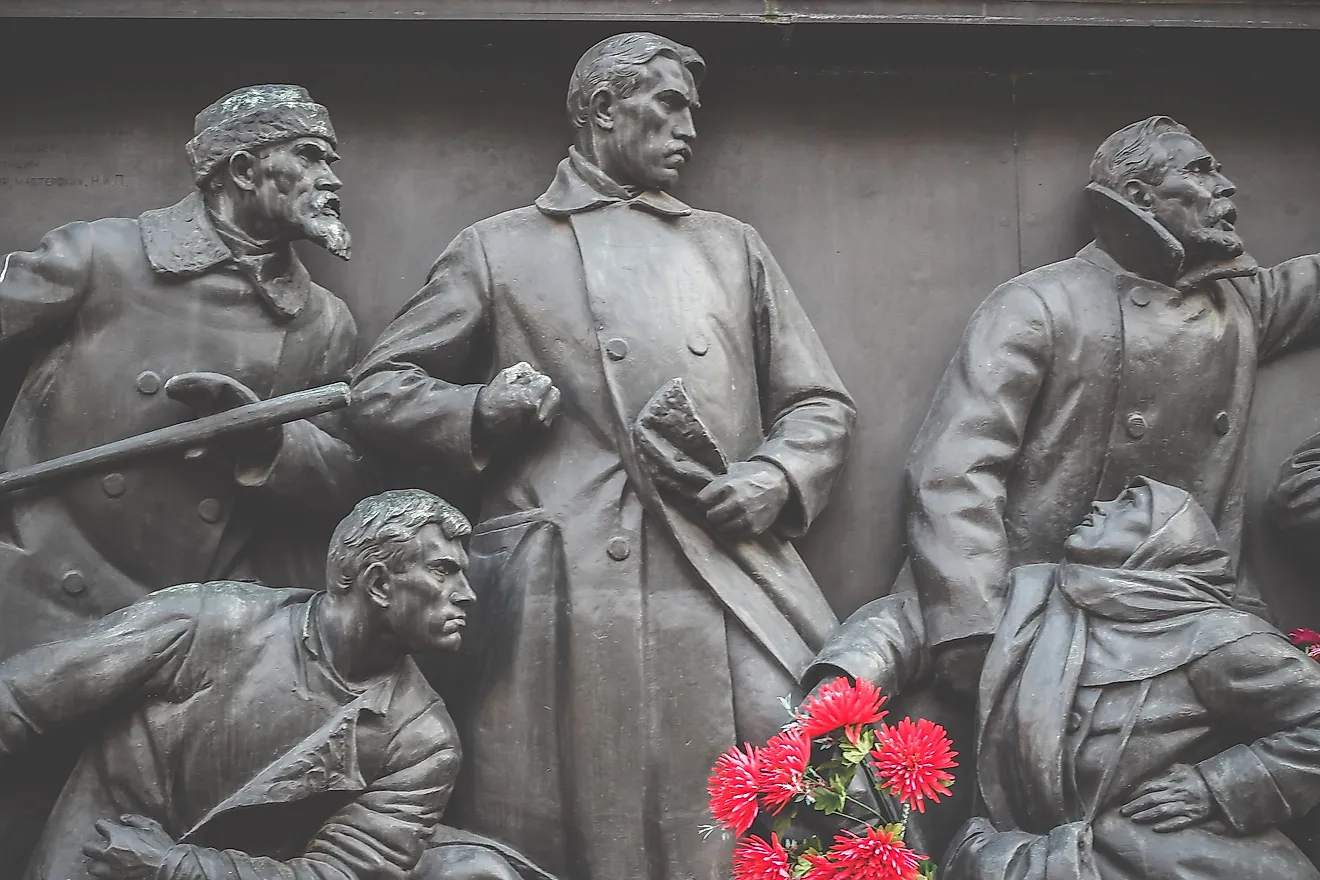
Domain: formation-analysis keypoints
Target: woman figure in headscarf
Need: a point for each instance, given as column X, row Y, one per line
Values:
column 1133, row 725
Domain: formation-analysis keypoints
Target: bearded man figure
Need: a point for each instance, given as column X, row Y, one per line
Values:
column 136, row 324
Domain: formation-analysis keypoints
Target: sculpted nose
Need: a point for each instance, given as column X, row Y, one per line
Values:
column 329, row 180
column 685, row 128
column 1223, row 186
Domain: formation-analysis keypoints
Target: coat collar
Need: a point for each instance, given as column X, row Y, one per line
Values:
column 1130, row 241
column 327, row 760
column 181, row 240
column 581, row 186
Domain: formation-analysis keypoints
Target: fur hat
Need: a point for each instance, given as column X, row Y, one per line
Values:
column 251, row 118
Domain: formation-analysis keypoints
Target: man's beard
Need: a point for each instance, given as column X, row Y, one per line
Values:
column 329, row 232
column 1211, row 242
column 320, row 224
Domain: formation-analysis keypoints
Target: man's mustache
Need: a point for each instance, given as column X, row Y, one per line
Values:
column 1220, row 211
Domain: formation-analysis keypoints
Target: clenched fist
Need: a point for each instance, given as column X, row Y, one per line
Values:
column 747, row 500
column 516, row 398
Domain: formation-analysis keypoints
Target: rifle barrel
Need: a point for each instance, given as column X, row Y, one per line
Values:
column 185, row 435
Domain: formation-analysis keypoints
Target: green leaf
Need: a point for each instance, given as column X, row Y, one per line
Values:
column 855, row 753
column 828, row 801
column 927, row 870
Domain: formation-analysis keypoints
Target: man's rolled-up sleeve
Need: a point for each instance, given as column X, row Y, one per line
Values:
column 1262, row 686
column 381, row 835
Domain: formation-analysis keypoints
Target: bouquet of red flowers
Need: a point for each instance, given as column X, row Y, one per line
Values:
column 813, row 762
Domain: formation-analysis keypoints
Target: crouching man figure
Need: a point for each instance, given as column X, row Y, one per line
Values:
column 241, row 731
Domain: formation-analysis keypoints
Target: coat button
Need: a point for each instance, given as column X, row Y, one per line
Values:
column 617, row 349
column 148, row 382
column 618, row 548
column 1074, row 722
column 1136, row 425
column 113, row 485
column 1140, row 296
column 1222, row 423
column 73, row 583
column 698, row 344
column 209, row 510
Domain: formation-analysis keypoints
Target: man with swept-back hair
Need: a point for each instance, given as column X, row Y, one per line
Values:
column 269, row 732
column 1138, row 356
column 650, row 609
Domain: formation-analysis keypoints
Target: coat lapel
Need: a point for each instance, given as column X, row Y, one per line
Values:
column 327, row 760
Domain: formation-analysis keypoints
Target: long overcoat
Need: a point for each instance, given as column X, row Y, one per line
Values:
column 114, row 308
column 627, row 644
column 1073, row 379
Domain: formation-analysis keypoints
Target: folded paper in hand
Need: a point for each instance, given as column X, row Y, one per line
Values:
column 671, row 417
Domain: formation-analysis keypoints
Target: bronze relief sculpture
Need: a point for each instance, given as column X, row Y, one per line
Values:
column 234, row 729
column 137, row 324
column 650, row 420
column 646, row 606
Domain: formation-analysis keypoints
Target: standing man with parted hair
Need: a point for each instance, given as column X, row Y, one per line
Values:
column 650, row 416
column 137, row 324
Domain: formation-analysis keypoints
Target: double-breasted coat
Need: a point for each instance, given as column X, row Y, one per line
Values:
column 1073, row 379
column 115, row 308
column 626, row 646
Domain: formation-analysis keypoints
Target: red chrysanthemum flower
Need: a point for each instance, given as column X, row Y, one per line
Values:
column 782, row 767
column 733, row 786
column 913, row 760
column 880, row 855
column 1303, row 638
column 840, row 703
column 758, row 859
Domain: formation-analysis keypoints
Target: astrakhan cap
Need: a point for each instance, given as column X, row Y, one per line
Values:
column 251, row 118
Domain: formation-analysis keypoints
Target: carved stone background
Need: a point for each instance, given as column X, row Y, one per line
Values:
column 898, row 172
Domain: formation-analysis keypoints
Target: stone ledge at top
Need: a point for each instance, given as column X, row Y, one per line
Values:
column 1279, row 14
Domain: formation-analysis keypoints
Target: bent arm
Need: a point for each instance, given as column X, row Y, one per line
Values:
column 808, row 412
column 883, row 642
column 1265, row 687
column 416, row 391
column 129, row 655
column 318, row 467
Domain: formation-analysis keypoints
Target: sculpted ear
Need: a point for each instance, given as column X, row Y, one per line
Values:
column 600, row 110
column 376, row 580
column 242, row 169
column 1138, row 192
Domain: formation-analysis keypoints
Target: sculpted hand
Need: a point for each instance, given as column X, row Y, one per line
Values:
column 747, row 500
column 1172, row 801
column 209, row 393
column 133, row 848
column 519, row 396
